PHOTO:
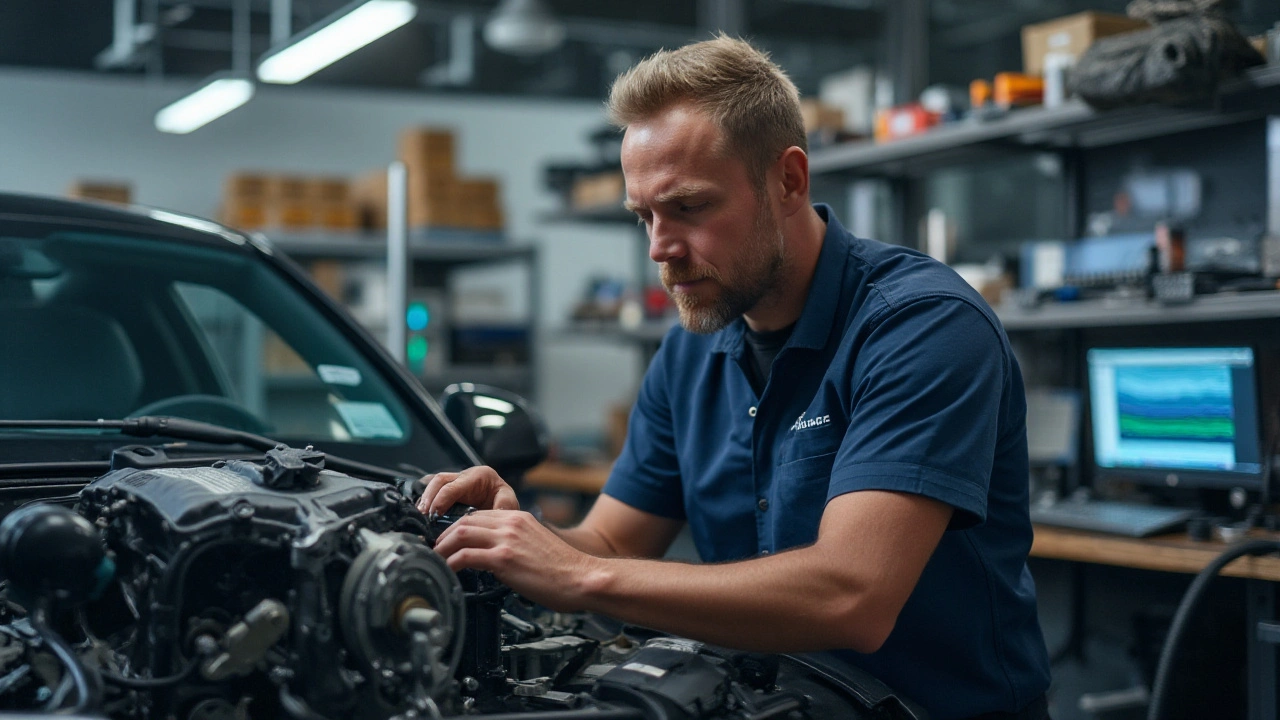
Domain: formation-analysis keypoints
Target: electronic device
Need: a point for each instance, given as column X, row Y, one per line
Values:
column 1176, row 416
column 1115, row 518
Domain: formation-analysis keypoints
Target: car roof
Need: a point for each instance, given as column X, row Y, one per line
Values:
column 138, row 220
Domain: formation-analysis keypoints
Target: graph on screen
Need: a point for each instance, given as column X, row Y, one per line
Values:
column 1174, row 409
column 1181, row 403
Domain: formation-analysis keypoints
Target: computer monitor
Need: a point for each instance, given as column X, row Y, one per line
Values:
column 1176, row 416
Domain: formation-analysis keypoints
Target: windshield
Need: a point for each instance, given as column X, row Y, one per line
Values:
column 107, row 325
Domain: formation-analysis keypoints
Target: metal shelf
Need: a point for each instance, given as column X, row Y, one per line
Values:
column 1071, row 125
column 607, row 214
column 1118, row 313
column 454, row 247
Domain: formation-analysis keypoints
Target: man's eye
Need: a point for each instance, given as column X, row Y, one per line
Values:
column 642, row 219
column 693, row 208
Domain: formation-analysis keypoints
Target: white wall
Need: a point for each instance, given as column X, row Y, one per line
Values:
column 57, row 127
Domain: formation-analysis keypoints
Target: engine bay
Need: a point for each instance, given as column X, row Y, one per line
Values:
column 277, row 588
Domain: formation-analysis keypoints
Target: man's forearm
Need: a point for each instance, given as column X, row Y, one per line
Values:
column 790, row 602
column 586, row 540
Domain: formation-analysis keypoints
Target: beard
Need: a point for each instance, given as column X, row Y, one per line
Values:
column 753, row 272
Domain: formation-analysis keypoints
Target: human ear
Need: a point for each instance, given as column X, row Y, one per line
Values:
column 793, row 173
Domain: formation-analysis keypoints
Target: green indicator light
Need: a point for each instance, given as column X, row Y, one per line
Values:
column 417, row 317
column 416, row 350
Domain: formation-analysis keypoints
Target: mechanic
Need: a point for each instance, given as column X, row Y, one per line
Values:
column 841, row 422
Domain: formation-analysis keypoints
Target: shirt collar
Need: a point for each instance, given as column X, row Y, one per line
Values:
column 814, row 326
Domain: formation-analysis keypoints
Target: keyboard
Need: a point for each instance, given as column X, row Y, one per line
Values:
column 1116, row 518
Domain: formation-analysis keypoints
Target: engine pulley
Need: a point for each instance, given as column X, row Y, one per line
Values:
column 398, row 595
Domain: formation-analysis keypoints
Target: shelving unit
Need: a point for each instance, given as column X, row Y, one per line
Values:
column 432, row 255
column 1258, row 305
column 1071, row 125
column 648, row 335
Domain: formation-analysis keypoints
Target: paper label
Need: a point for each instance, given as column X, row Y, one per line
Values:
column 369, row 420
column 339, row 375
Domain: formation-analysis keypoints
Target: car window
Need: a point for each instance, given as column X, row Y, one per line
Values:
column 262, row 372
column 104, row 325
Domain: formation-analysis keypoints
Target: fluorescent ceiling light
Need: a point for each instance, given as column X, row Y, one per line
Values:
column 215, row 99
column 354, row 27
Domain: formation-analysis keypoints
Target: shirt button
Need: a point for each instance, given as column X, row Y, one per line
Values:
column 762, row 504
column 752, row 411
column 764, row 552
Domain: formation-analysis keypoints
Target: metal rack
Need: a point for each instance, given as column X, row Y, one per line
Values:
column 430, row 254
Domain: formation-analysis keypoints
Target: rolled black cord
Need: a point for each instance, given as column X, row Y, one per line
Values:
column 87, row 682
column 1181, row 618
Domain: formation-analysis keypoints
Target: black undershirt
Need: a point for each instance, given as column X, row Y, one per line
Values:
column 763, row 347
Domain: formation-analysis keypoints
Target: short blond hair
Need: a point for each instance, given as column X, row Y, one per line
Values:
column 746, row 94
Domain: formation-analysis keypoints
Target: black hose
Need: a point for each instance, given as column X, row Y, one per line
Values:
column 87, row 682
column 1181, row 618
column 151, row 683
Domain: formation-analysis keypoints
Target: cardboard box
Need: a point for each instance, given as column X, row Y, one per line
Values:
column 245, row 185
column 244, row 213
column 1071, row 35
column 599, row 190
column 818, row 116
column 429, row 151
column 329, row 189
column 369, row 194
column 106, row 191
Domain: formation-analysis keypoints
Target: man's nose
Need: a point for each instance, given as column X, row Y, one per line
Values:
column 665, row 242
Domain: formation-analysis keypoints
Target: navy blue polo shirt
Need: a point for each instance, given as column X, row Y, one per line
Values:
column 897, row 377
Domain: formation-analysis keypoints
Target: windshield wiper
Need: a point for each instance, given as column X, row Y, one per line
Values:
column 183, row 429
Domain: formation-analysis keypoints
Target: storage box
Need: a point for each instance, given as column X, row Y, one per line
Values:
column 1070, row 35
column 106, row 191
column 818, row 116
column 599, row 190
column 245, row 185
column 369, row 193
column 244, row 213
column 429, row 151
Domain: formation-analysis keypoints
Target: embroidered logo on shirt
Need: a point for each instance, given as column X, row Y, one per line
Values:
column 802, row 424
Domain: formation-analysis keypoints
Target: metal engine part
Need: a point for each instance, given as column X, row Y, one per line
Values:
column 402, row 609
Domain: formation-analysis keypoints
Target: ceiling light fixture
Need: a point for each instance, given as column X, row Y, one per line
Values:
column 217, row 97
column 523, row 27
column 343, row 33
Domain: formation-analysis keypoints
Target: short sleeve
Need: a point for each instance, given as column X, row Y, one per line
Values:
column 928, row 387
column 646, row 475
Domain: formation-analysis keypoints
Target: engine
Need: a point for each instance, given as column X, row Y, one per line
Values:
column 279, row 589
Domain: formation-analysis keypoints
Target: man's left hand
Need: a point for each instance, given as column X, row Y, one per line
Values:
column 522, row 553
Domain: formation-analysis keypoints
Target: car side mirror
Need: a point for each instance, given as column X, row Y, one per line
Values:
column 502, row 427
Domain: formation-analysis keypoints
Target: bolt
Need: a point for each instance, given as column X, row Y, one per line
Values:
column 470, row 683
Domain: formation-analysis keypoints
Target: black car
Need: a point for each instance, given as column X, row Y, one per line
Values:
column 208, row 473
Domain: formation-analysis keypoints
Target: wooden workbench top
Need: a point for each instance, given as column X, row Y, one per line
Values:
column 1174, row 552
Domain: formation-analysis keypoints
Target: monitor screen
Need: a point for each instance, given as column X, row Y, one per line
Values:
column 1178, row 416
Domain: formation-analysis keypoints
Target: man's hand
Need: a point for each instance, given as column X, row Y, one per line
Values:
column 479, row 487
column 522, row 553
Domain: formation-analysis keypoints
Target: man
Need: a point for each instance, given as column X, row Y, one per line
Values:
column 841, row 423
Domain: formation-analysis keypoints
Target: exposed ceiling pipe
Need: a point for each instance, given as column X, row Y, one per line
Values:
column 128, row 37
column 281, row 21
column 459, row 69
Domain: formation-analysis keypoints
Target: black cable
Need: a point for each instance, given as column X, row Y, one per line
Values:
column 1181, row 618
column 151, row 683
column 87, row 682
